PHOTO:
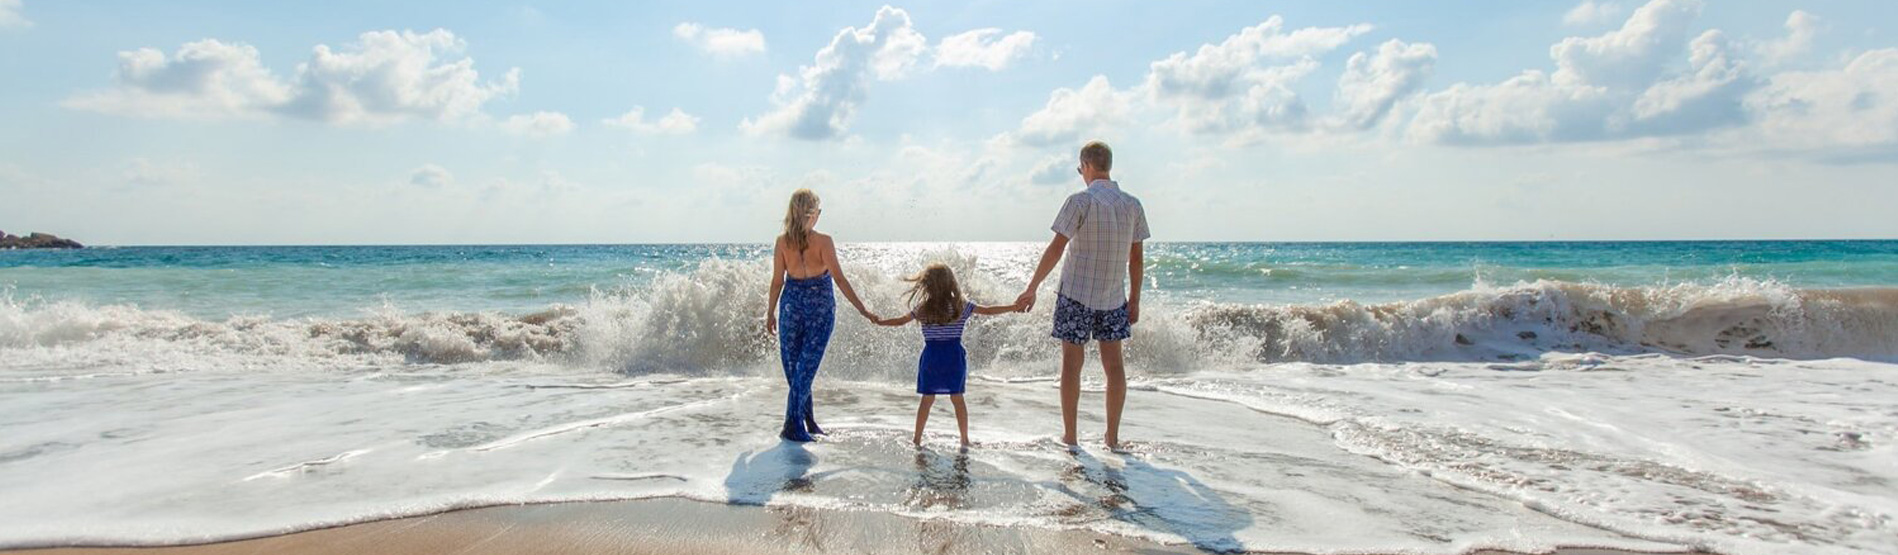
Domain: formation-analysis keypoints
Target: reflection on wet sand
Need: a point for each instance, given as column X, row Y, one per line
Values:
column 1160, row 499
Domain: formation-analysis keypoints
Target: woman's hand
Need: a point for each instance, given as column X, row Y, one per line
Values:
column 771, row 324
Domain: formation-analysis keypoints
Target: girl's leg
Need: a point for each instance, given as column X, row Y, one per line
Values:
column 922, row 417
column 962, row 418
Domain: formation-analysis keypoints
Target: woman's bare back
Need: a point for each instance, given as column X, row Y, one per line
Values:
column 807, row 264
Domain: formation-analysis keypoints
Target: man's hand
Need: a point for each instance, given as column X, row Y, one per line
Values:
column 1133, row 312
column 1026, row 301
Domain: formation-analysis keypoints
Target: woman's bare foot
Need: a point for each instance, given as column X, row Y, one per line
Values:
column 916, row 440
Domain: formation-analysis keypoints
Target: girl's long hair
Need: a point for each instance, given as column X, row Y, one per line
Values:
column 796, row 234
column 934, row 295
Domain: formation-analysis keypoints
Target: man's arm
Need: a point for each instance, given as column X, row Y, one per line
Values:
column 1048, row 259
column 1135, row 267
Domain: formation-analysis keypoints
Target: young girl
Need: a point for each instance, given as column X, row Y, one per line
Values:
column 942, row 370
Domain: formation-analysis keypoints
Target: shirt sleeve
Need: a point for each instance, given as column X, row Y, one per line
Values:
column 1140, row 224
column 1069, row 220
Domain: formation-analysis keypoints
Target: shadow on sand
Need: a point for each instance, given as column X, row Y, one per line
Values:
column 754, row 479
column 1160, row 499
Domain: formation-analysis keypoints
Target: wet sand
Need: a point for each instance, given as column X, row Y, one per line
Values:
column 669, row 526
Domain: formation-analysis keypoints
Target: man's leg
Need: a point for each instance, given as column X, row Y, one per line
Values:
column 1114, row 368
column 1072, row 356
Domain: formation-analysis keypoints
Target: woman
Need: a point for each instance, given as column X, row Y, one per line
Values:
column 803, row 264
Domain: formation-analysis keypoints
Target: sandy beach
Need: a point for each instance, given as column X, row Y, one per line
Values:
column 672, row 526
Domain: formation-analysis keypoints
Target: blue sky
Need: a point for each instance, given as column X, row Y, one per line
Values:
column 489, row 122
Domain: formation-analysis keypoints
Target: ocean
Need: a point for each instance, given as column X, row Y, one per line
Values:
column 1740, row 397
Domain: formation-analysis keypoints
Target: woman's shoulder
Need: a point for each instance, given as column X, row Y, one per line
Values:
column 822, row 239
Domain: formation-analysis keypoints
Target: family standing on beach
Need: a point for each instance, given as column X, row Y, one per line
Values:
column 1099, row 231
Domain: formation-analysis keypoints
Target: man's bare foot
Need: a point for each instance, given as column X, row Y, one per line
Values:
column 1069, row 441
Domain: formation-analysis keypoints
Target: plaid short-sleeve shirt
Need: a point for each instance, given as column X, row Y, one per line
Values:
column 1101, row 223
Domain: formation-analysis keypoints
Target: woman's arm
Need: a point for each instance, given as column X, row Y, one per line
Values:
column 897, row 321
column 777, row 287
column 829, row 247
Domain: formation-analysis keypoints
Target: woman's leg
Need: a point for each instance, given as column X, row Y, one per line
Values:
column 922, row 417
column 792, row 332
column 815, row 342
column 962, row 418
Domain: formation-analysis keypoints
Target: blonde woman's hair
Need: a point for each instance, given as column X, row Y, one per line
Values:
column 934, row 295
column 796, row 235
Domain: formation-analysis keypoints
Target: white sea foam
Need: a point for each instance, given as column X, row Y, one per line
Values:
column 709, row 322
column 1740, row 416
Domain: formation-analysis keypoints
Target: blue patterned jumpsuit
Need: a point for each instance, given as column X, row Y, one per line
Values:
column 806, row 314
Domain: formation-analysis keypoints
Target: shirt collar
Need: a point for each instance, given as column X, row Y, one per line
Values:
column 1108, row 183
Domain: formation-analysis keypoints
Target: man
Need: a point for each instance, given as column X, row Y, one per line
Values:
column 1101, row 230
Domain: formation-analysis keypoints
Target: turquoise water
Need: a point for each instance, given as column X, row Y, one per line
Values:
column 283, row 282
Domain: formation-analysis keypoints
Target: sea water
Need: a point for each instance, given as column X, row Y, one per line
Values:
column 1739, row 397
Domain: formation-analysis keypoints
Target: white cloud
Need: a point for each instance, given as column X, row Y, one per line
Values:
column 538, row 125
column 676, row 122
column 982, row 48
column 10, row 15
column 1852, row 106
column 1071, row 113
column 1590, row 12
column 431, row 176
column 1633, row 55
column 1526, row 108
column 385, row 76
column 1230, row 86
column 1612, row 86
column 1801, row 28
column 721, row 42
column 1708, row 96
column 1373, row 83
column 819, row 103
column 1055, row 170
column 203, row 79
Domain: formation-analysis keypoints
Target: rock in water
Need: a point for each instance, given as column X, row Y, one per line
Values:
column 37, row 240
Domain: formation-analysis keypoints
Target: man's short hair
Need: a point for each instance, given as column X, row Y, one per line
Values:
column 1096, row 154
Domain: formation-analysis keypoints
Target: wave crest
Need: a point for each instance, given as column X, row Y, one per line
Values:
column 709, row 321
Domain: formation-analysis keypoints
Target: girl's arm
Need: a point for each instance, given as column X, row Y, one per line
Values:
column 777, row 287
column 837, row 273
column 987, row 310
column 897, row 321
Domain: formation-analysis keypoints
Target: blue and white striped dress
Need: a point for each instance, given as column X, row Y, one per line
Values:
column 943, row 368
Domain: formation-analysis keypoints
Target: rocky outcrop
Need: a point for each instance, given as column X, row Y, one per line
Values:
column 37, row 241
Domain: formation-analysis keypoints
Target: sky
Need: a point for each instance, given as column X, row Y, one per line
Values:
column 368, row 122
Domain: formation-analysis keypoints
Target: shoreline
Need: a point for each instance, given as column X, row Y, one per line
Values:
column 684, row 526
